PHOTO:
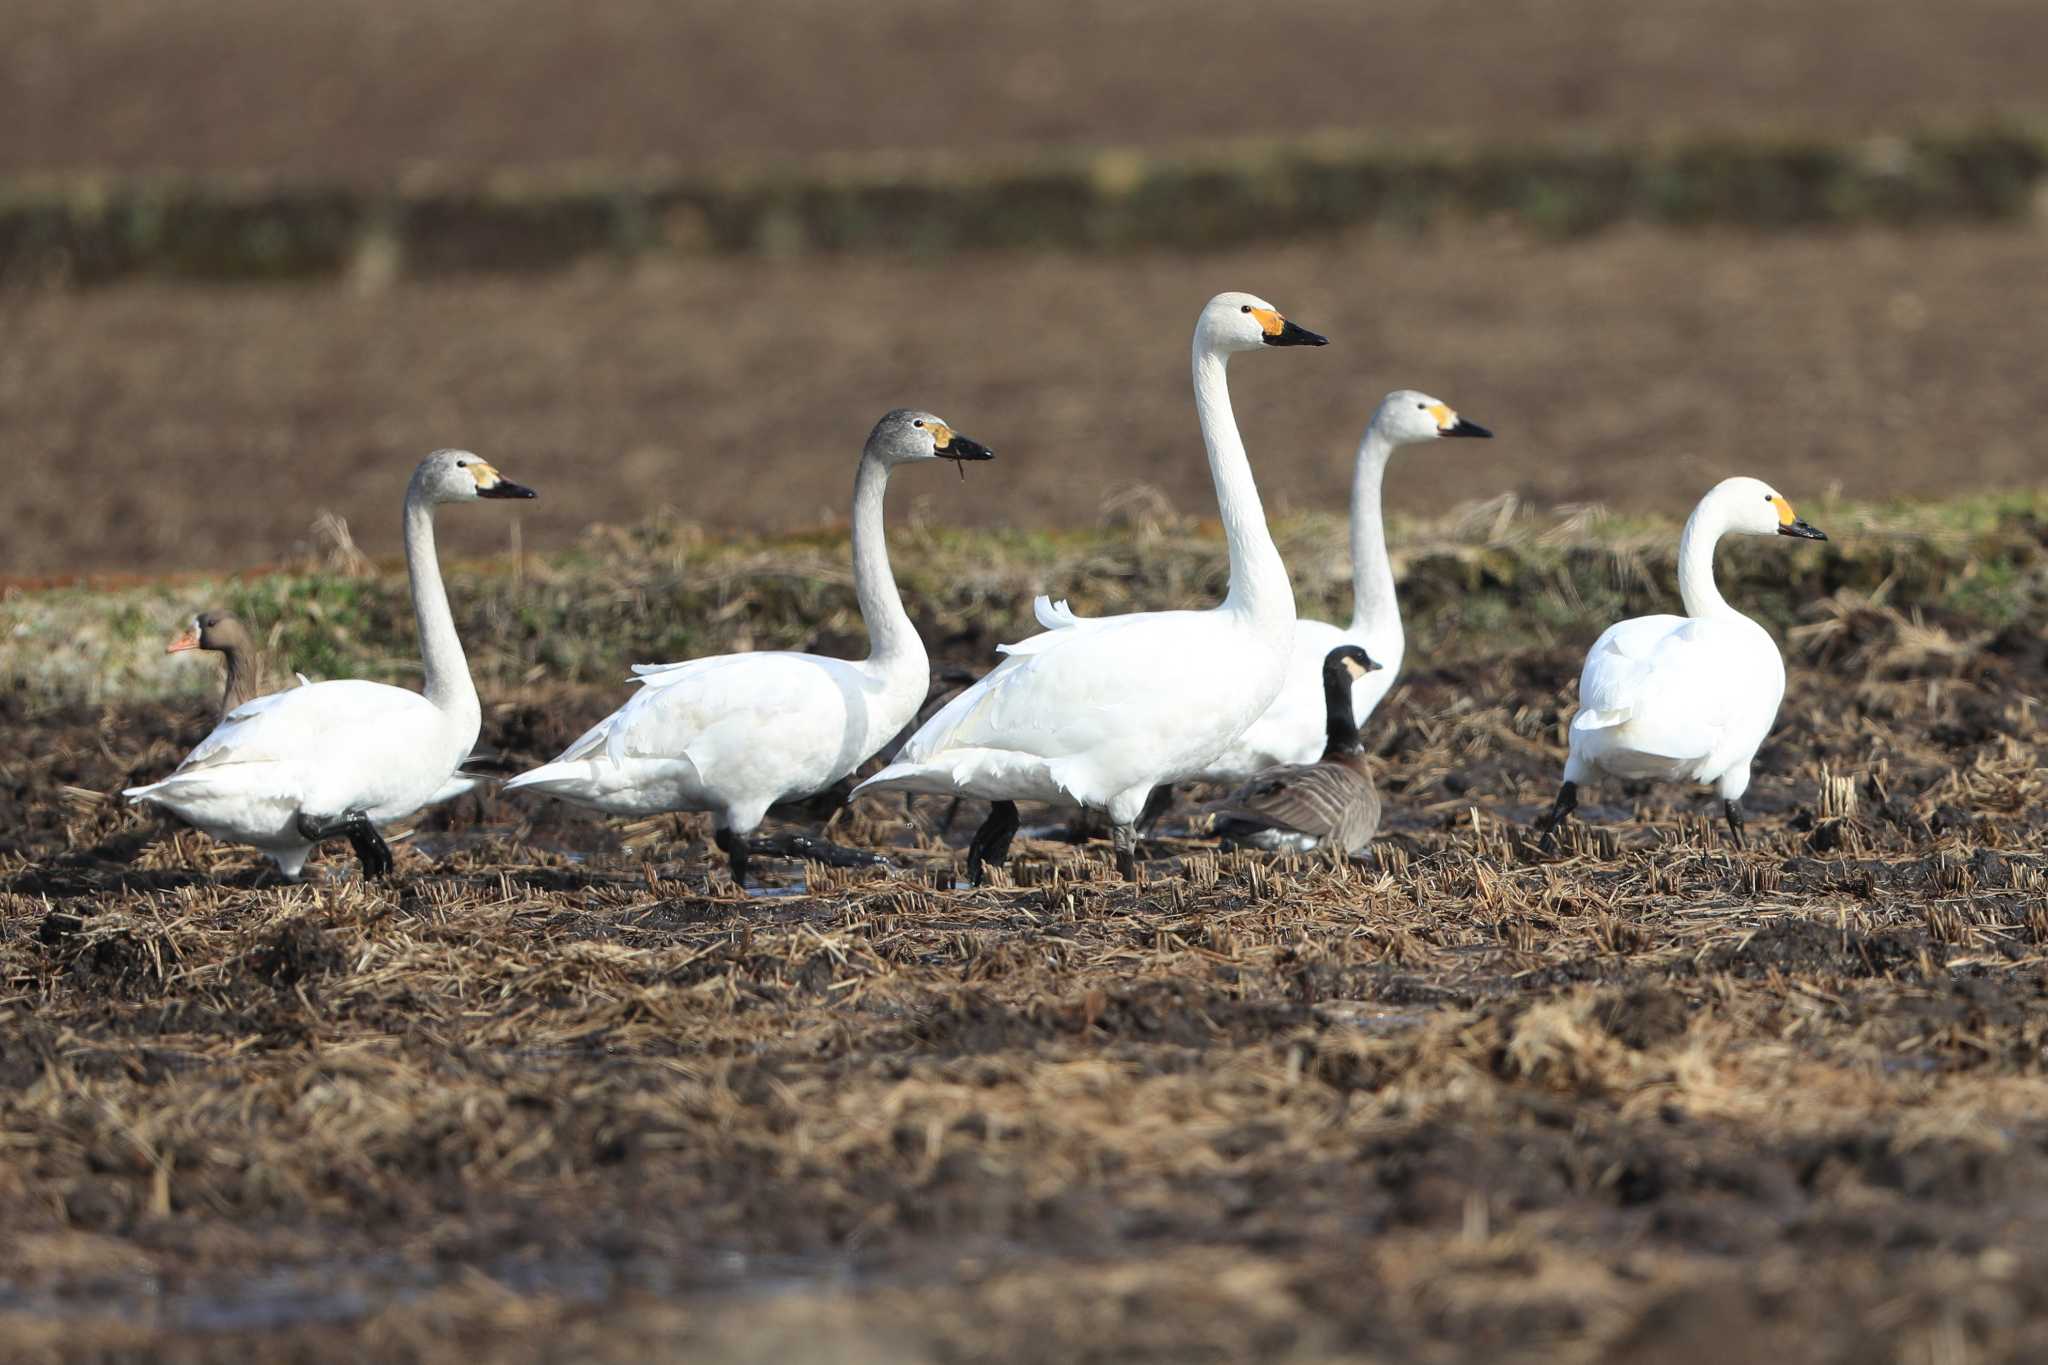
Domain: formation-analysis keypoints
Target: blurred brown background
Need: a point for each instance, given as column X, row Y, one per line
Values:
column 150, row 426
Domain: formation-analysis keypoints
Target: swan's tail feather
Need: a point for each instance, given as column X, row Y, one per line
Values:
column 905, row 777
column 549, row 776
column 1054, row 615
column 1590, row 718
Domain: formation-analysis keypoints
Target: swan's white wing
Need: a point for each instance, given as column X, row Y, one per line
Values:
column 1116, row 696
column 1677, row 681
column 1618, row 667
column 765, row 708
column 309, row 723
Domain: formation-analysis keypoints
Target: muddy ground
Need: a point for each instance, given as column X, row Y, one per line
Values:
column 367, row 89
column 555, row 1092
column 153, row 428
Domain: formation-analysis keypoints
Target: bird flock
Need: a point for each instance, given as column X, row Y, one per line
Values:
column 1105, row 714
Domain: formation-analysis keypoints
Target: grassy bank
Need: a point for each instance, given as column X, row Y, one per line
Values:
column 1489, row 578
column 93, row 229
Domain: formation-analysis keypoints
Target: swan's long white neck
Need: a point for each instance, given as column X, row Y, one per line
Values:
column 1258, row 580
column 1696, row 587
column 448, row 685
column 893, row 640
column 1375, row 614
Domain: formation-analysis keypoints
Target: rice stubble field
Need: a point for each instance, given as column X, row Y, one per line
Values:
column 556, row 1091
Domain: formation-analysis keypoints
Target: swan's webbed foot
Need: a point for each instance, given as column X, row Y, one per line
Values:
column 734, row 846
column 372, row 853
column 1158, row 801
column 1567, row 802
column 1733, row 809
column 817, row 851
column 1124, row 841
column 991, row 843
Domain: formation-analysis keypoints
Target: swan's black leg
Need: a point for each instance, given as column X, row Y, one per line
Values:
column 952, row 814
column 1124, row 839
column 1158, row 801
column 1734, row 812
column 1567, row 802
column 735, row 849
column 370, row 849
column 817, row 850
column 991, row 843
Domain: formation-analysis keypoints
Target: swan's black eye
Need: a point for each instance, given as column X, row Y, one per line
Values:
column 1422, row 407
column 1769, row 498
column 918, row 422
column 1246, row 309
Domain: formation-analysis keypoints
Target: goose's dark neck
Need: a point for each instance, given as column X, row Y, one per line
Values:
column 244, row 680
column 1341, row 734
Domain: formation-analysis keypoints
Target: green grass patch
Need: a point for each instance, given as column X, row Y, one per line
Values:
column 1489, row 578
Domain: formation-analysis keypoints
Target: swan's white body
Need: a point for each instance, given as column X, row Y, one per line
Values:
column 735, row 734
column 1095, row 713
column 321, row 750
column 1687, row 698
column 1274, row 737
column 1291, row 730
column 318, row 750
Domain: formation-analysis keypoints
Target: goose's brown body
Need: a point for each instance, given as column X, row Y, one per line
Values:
column 1331, row 803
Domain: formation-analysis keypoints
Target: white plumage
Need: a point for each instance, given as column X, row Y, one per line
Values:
column 738, row 733
column 1096, row 713
column 1291, row 730
column 279, row 768
column 1685, row 698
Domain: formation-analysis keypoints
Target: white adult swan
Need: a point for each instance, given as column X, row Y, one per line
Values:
column 1096, row 713
column 737, row 733
column 1292, row 729
column 1685, row 698
column 286, row 771
column 244, row 678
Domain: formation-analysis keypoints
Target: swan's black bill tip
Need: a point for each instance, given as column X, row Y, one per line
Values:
column 1802, row 531
column 1461, row 427
column 505, row 488
column 961, row 448
column 1294, row 334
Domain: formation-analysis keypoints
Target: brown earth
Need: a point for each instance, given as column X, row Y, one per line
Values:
column 545, row 1096
column 361, row 89
column 149, row 428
